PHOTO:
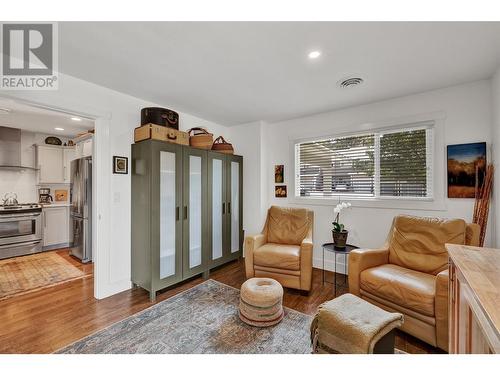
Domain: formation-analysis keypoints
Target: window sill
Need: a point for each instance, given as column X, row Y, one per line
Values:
column 424, row 204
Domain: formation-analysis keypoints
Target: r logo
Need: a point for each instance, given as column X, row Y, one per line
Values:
column 28, row 49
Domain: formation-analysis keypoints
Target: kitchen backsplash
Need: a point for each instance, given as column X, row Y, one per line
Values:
column 24, row 182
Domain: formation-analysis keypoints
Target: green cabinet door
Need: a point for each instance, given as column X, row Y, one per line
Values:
column 194, row 212
column 216, row 209
column 166, row 217
column 234, row 201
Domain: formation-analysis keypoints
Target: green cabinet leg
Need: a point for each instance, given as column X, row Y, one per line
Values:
column 206, row 275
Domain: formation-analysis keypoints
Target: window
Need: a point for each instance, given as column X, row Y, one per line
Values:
column 393, row 163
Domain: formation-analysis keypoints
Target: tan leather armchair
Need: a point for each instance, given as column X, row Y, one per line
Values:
column 284, row 249
column 409, row 274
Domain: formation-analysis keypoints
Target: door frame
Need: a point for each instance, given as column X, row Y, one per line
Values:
column 101, row 199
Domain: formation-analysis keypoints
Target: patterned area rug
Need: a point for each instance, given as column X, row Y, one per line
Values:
column 28, row 273
column 203, row 319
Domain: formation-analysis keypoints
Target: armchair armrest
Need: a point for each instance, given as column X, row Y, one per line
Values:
column 441, row 309
column 252, row 243
column 362, row 259
column 306, row 256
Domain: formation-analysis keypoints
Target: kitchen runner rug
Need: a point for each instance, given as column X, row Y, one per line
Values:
column 29, row 273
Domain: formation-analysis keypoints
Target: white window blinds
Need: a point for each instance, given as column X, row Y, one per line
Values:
column 405, row 162
column 379, row 164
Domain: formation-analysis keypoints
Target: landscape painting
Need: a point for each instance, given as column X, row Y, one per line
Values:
column 466, row 169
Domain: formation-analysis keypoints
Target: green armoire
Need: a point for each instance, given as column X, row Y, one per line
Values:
column 187, row 212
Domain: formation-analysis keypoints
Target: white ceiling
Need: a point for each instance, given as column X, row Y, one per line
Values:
column 40, row 120
column 234, row 73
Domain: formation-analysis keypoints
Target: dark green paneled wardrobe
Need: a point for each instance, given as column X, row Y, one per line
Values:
column 187, row 212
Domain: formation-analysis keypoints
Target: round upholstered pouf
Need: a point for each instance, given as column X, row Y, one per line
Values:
column 261, row 302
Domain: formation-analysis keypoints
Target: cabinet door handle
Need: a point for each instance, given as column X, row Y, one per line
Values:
column 223, row 208
column 177, row 213
column 185, row 212
column 228, row 208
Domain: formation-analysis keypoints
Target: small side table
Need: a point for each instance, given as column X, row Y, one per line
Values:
column 330, row 247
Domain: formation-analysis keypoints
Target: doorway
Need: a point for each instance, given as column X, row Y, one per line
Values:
column 47, row 197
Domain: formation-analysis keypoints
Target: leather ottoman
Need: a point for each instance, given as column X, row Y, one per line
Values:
column 261, row 302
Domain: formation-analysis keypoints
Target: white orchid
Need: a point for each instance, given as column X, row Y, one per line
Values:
column 339, row 207
column 337, row 210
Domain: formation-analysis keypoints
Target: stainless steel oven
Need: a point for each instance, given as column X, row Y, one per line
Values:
column 20, row 233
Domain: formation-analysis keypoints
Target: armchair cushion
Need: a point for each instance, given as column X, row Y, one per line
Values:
column 278, row 256
column 287, row 226
column 407, row 288
column 362, row 259
column 418, row 243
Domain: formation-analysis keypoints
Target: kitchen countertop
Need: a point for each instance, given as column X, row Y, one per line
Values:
column 480, row 267
column 55, row 205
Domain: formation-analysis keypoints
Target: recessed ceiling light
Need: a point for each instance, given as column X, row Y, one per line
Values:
column 60, row 129
column 76, row 118
column 314, row 54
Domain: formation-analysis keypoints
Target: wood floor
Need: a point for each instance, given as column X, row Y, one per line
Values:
column 49, row 319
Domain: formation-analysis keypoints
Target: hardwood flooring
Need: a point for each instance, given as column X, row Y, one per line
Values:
column 46, row 320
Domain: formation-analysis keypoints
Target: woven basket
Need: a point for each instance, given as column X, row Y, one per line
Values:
column 200, row 138
column 220, row 145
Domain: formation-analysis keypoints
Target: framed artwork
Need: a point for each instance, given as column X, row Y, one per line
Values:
column 120, row 165
column 61, row 195
column 466, row 169
column 280, row 191
column 279, row 174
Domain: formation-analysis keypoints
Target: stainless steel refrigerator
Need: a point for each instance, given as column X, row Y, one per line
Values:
column 81, row 208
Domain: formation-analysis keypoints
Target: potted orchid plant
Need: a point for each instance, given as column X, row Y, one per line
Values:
column 339, row 232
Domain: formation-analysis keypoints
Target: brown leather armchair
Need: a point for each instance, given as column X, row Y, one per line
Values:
column 284, row 249
column 409, row 274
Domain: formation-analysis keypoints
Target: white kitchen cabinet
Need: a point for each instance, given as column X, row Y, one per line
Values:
column 56, row 228
column 84, row 147
column 50, row 163
column 54, row 164
column 68, row 156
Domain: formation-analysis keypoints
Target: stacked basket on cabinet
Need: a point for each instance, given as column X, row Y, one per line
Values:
column 163, row 124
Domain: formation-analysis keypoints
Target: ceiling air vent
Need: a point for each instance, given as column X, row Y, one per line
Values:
column 350, row 82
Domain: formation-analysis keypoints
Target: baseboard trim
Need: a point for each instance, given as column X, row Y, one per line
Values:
column 56, row 246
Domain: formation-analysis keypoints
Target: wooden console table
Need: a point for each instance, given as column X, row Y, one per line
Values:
column 474, row 299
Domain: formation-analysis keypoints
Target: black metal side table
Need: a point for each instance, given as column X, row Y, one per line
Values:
column 330, row 247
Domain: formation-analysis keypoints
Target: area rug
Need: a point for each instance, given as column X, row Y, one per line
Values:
column 203, row 319
column 28, row 273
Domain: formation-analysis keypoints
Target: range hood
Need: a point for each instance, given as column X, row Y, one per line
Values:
column 10, row 149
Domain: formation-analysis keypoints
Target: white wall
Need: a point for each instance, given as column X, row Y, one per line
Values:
column 23, row 182
column 247, row 141
column 117, row 116
column 496, row 156
column 465, row 113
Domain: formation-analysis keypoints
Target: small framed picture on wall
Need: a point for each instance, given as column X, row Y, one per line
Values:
column 279, row 174
column 120, row 165
column 280, row 191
